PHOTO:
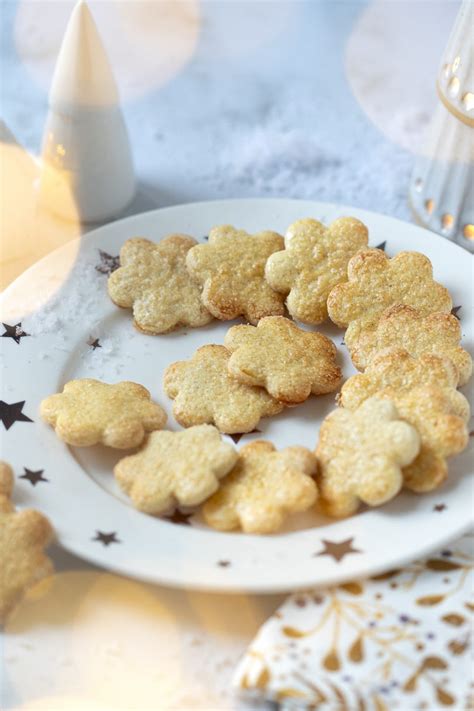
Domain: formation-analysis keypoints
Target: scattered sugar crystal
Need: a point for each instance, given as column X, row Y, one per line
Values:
column 82, row 296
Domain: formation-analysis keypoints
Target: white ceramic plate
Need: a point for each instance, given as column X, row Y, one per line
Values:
column 75, row 487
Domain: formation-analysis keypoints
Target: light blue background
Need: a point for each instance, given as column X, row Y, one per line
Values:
column 279, row 120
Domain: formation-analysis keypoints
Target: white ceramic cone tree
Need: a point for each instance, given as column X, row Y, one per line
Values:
column 442, row 187
column 86, row 149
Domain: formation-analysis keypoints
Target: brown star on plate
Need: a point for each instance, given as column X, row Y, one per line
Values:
column 33, row 476
column 94, row 343
column 223, row 563
column 12, row 412
column 108, row 263
column 455, row 310
column 15, row 332
column 439, row 507
column 179, row 517
column 237, row 436
column 106, row 538
column 338, row 550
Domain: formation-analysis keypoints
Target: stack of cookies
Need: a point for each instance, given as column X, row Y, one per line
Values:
column 395, row 424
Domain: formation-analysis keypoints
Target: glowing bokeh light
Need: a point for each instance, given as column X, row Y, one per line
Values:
column 29, row 230
column 148, row 43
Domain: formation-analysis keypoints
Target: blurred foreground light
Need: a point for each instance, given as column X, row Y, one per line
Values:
column 64, row 703
column 102, row 641
column 28, row 230
column 148, row 41
column 94, row 641
column 391, row 65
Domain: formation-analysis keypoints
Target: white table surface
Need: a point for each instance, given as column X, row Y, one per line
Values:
column 263, row 105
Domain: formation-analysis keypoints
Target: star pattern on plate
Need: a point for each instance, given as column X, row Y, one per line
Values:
column 108, row 263
column 338, row 550
column 382, row 246
column 15, row 332
column 439, row 507
column 94, row 343
column 34, row 477
column 11, row 413
column 455, row 310
column 237, row 436
column 179, row 517
column 223, row 563
column 106, row 538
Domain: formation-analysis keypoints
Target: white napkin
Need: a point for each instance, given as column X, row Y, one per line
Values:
column 402, row 640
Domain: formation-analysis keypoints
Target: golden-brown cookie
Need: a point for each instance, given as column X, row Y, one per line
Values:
column 154, row 282
column 406, row 327
column 230, row 269
column 288, row 362
column 90, row 412
column 6, row 480
column 314, row 260
column 23, row 537
column 438, row 414
column 264, row 487
column 204, row 392
column 175, row 468
column 376, row 283
column 361, row 454
column 397, row 369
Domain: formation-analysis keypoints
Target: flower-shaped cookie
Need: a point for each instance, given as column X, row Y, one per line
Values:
column 314, row 261
column 230, row 268
column 90, row 412
column 406, row 327
column 23, row 537
column 175, row 468
column 361, row 454
column 263, row 488
column 154, row 282
column 402, row 372
column 204, row 392
column 439, row 416
column 377, row 283
column 288, row 362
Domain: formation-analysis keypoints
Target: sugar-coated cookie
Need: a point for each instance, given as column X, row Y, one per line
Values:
column 314, row 260
column 205, row 393
column 175, row 468
column 90, row 412
column 6, row 480
column 23, row 537
column 361, row 454
column 376, row 283
column 397, row 369
column 439, row 416
column 406, row 327
column 154, row 282
column 230, row 269
column 288, row 362
column 264, row 487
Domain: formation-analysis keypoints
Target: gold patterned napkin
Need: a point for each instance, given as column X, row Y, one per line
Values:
column 402, row 640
